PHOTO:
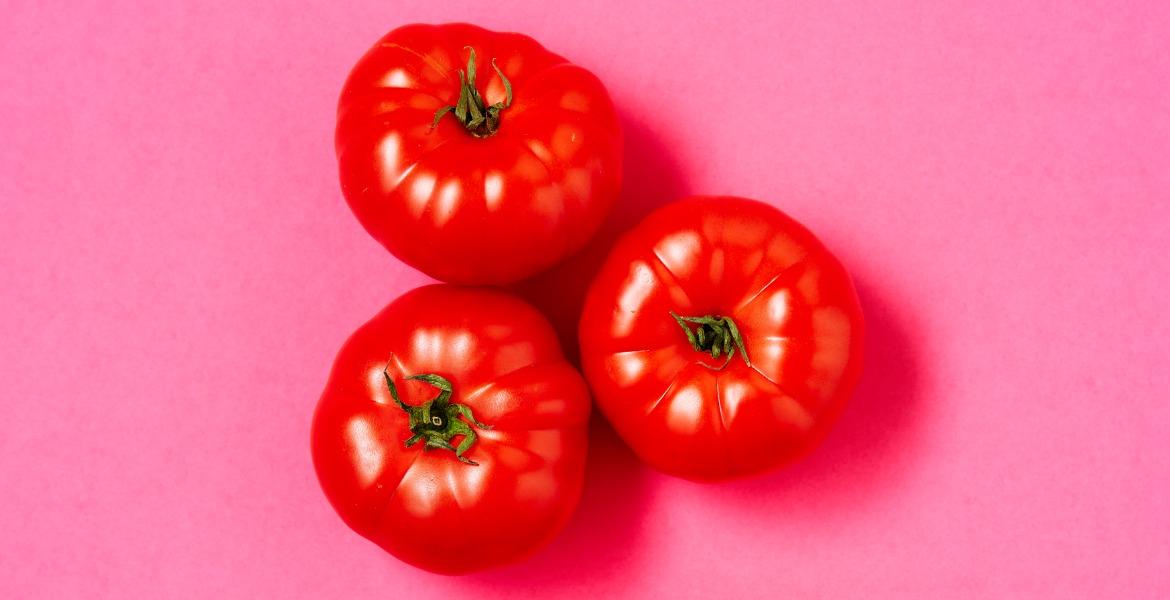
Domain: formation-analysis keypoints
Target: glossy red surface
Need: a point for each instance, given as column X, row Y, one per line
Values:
column 426, row 507
column 467, row 209
column 793, row 303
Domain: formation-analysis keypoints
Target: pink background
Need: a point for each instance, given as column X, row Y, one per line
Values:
column 179, row 269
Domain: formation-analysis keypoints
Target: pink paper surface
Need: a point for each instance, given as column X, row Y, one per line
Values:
column 179, row 269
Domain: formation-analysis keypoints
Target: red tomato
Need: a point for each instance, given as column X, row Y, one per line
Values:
column 720, row 338
column 452, row 432
column 476, row 156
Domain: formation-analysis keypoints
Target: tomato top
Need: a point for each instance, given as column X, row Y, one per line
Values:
column 381, row 423
column 721, row 338
column 517, row 172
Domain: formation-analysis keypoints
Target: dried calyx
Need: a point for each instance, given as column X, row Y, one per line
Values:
column 470, row 110
column 715, row 335
column 438, row 420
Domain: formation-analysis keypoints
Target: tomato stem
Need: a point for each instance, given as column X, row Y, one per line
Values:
column 437, row 421
column 715, row 335
column 479, row 119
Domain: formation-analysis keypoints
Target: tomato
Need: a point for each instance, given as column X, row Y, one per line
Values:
column 476, row 156
column 452, row 432
column 720, row 338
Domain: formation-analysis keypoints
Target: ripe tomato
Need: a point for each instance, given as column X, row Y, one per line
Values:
column 473, row 173
column 720, row 338
column 452, row 432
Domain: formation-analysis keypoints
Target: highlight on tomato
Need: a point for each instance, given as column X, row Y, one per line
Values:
column 474, row 156
column 721, row 338
column 452, row 433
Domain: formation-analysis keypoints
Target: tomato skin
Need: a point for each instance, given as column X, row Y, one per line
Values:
column 466, row 209
column 794, row 305
column 426, row 507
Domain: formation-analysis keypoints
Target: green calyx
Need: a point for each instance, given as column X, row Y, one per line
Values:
column 476, row 117
column 714, row 335
column 437, row 421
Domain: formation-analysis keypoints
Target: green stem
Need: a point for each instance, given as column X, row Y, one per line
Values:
column 476, row 117
column 437, row 421
column 715, row 335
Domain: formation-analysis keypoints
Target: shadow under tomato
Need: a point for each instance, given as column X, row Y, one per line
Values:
column 650, row 178
column 598, row 542
column 872, row 445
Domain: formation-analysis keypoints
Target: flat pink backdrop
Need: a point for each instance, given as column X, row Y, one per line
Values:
column 179, row 269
